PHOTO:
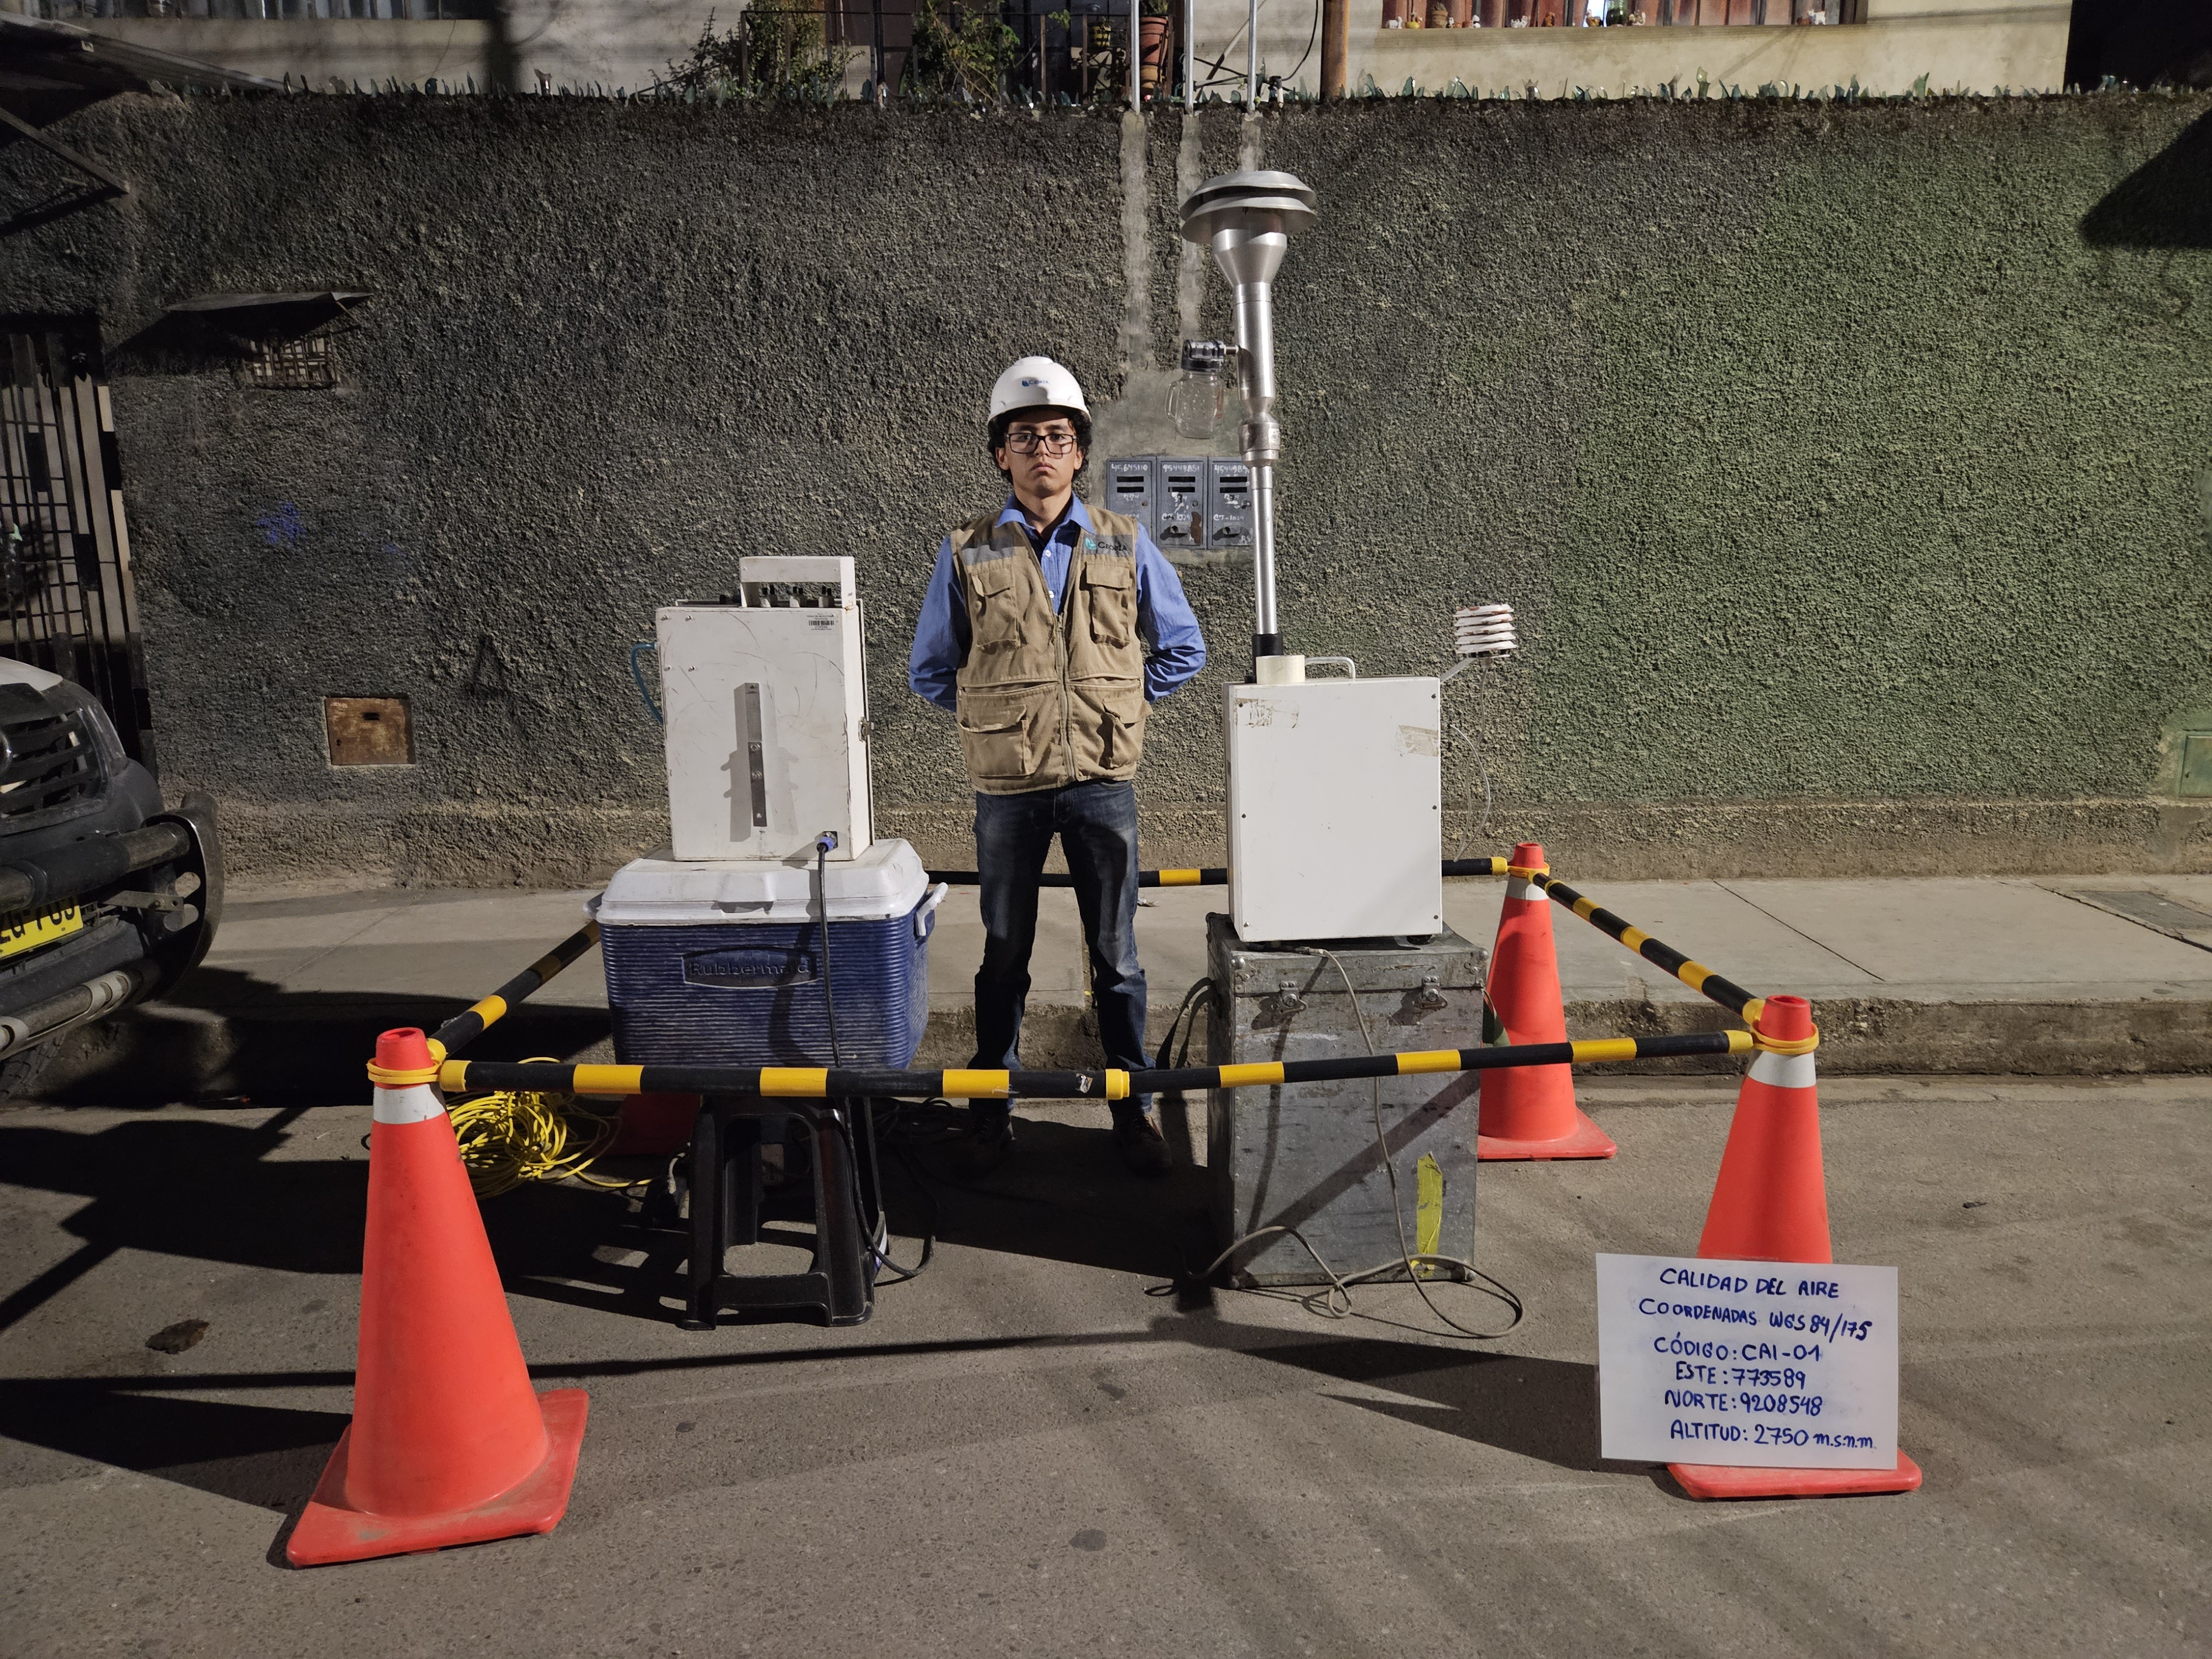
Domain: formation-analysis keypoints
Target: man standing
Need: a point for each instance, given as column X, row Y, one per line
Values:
column 1034, row 636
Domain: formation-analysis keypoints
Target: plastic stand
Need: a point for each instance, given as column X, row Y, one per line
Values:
column 838, row 1286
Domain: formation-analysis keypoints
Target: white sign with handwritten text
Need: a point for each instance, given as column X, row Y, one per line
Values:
column 1765, row 1364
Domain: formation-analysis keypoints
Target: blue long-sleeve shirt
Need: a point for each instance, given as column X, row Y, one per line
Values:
column 941, row 635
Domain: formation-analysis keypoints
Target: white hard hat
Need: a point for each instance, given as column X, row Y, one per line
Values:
column 1036, row 382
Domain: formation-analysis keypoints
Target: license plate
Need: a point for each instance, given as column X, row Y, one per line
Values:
column 19, row 933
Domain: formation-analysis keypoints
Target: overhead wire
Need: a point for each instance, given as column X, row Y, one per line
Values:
column 1223, row 76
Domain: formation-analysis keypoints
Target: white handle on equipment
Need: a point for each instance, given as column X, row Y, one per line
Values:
column 1351, row 669
column 922, row 911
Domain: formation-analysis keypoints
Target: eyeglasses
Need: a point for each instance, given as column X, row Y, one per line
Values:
column 1052, row 443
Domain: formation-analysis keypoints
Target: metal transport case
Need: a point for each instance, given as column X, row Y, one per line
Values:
column 1303, row 1155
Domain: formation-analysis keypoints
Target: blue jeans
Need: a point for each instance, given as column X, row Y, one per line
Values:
column 1097, row 823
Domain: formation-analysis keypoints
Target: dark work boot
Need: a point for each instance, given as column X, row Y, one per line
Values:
column 1137, row 1138
column 990, row 1137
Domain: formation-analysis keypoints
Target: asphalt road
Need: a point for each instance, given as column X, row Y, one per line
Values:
column 1026, row 1453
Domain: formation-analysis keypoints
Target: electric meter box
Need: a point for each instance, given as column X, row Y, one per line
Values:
column 764, row 694
column 1228, row 504
column 1130, row 488
column 1189, row 504
column 1179, row 503
column 1336, row 809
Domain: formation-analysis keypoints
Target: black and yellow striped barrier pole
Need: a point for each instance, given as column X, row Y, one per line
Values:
column 1207, row 876
column 474, row 1021
column 1489, row 866
column 1692, row 973
column 814, row 1083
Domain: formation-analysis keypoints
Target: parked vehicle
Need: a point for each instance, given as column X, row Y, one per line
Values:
column 106, row 898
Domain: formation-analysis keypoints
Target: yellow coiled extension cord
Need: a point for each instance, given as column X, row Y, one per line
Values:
column 510, row 1136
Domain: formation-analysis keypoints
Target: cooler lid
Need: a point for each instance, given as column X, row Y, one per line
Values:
column 657, row 891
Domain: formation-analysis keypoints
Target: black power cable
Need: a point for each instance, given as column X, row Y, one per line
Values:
column 823, row 843
column 878, row 1233
column 1219, row 65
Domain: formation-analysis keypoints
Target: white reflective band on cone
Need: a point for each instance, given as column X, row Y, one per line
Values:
column 415, row 1103
column 1782, row 1071
column 1515, row 888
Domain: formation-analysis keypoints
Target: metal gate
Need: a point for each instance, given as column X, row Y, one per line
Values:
column 67, row 602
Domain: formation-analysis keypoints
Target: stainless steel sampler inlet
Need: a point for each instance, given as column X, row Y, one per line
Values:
column 1247, row 219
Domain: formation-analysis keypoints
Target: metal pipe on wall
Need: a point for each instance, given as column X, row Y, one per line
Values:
column 1136, row 61
column 1252, row 58
column 1335, row 46
column 1190, row 54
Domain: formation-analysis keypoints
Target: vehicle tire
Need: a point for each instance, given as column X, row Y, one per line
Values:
column 21, row 1074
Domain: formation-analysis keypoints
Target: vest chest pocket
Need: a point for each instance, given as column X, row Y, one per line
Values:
column 1110, row 598
column 994, row 607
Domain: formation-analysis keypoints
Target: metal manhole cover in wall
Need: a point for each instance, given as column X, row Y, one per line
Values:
column 368, row 731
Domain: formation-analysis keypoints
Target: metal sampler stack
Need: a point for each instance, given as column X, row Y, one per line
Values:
column 1335, row 944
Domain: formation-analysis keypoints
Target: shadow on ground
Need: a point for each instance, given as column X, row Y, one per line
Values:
column 205, row 1188
column 1545, row 1409
column 271, row 1456
column 1063, row 1196
column 226, row 1033
column 266, row 1456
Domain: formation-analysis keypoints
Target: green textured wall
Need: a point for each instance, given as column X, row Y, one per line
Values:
column 1851, row 468
column 1930, row 521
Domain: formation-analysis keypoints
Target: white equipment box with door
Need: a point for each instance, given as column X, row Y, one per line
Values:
column 1336, row 809
column 766, row 701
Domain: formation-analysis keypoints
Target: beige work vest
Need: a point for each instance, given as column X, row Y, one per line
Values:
column 1047, row 698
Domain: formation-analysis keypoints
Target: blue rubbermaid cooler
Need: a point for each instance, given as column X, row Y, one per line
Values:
column 720, row 964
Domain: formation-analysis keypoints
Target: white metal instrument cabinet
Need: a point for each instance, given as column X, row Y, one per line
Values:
column 1335, row 810
column 766, row 706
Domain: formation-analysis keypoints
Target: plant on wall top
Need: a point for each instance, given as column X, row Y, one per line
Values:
column 959, row 52
column 775, row 51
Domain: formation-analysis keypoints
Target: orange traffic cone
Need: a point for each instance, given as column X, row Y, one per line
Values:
column 1530, row 1111
column 448, row 1444
column 1771, row 1203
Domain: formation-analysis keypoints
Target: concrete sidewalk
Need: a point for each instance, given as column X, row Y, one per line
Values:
column 2091, row 975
